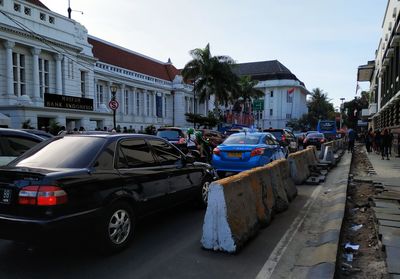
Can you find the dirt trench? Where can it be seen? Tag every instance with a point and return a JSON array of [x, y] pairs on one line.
[[360, 226]]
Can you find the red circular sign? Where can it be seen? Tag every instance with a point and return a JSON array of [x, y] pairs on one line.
[[113, 104]]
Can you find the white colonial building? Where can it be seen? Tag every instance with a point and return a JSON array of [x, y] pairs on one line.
[[284, 94], [52, 70]]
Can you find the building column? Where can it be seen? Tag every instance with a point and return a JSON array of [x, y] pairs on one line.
[[162, 105], [122, 102], [143, 102], [134, 109], [9, 67], [379, 92], [154, 104], [58, 58], [35, 70]]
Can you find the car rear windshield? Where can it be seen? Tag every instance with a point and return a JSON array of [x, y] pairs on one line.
[[242, 139], [315, 135], [169, 134], [66, 152], [277, 134]]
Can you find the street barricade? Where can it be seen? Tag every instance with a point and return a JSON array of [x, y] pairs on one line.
[[238, 206]]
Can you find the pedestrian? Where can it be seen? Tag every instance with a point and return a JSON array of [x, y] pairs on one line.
[[125, 130], [378, 141], [368, 140], [390, 142], [352, 138], [385, 140]]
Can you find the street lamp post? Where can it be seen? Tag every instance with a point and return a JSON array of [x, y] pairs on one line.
[[114, 89], [341, 112]]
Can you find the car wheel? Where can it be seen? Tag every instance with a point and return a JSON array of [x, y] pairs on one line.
[[205, 187], [117, 227]]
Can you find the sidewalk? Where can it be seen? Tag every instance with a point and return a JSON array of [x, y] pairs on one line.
[[388, 171]]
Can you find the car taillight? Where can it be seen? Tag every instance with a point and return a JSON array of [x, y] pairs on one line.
[[322, 140], [182, 141], [257, 151], [42, 196], [305, 141], [217, 151]]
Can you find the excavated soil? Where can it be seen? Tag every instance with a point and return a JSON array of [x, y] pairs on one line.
[[368, 261]]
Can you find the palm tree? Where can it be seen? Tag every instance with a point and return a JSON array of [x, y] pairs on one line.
[[211, 75], [319, 107], [247, 90]]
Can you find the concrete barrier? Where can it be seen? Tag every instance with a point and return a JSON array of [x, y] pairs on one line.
[[290, 187], [238, 206], [231, 215], [299, 170]]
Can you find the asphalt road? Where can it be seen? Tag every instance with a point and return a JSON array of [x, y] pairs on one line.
[[165, 246]]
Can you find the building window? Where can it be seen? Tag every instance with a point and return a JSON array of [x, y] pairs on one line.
[[44, 76], [17, 7], [83, 84], [52, 20], [148, 104], [1, 2], [19, 74], [42, 16], [272, 94], [289, 97], [100, 95], [137, 103], [27, 11], [126, 98], [271, 112], [288, 116]]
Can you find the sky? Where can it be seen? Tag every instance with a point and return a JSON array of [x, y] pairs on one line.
[[322, 42]]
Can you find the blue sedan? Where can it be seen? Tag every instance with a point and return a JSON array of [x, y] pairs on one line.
[[243, 151]]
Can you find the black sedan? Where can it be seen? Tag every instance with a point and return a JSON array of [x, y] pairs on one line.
[[314, 139], [105, 182]]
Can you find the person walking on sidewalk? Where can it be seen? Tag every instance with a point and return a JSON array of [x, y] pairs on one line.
[[390, 142], [368, 140], [385, 142], [378, 142], [352, 138]]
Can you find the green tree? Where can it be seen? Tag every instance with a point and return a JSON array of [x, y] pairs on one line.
[[354, 108], [246, 92], [211, 75], [319, 107]]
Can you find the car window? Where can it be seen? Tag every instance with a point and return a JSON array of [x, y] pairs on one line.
[[106, 158], [271, 141], [15, 145], [65, 152], [242, 139], [166, 153], [169, 134], [134, 153]]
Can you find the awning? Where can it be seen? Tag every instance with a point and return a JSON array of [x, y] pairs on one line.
[[365, 72], [5, 120]]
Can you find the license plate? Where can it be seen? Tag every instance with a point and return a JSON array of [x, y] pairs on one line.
[[235, 154], [5, 195]]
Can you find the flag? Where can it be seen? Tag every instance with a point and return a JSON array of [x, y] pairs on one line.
[[357, 88], [291, 90]]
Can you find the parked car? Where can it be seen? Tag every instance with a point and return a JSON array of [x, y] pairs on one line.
[[314, 139], [174, 135], [243, 151], [14, 142], [104, 182], [286, 139]]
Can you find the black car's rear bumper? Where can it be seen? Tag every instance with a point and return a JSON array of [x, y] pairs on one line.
[[17, 228]]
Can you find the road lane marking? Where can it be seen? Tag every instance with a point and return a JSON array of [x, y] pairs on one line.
[[276, 255]]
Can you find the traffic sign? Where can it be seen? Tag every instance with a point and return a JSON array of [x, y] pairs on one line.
[[113, 104], [258, 105]]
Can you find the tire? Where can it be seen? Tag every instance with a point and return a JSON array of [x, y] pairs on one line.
[[205, 186], [116, 227]]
